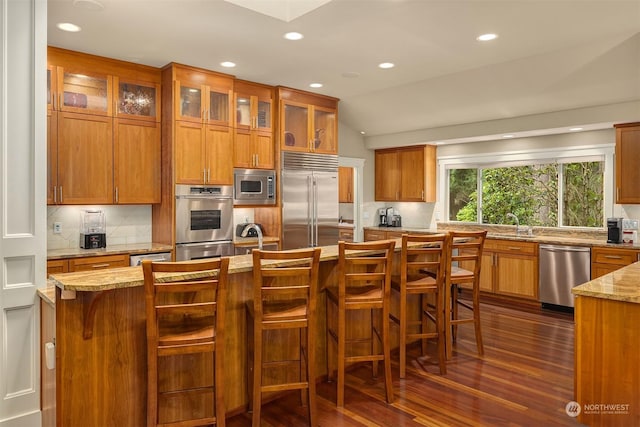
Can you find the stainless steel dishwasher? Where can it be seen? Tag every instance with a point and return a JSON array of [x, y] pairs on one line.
[[560, 269]]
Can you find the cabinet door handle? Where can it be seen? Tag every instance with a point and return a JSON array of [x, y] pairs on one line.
[[59, 102], [613, 256], [204, 176], [61, 194], [53, 100], [257, 160], [116, 194], [55, 194], [100, 265], [515, 248]]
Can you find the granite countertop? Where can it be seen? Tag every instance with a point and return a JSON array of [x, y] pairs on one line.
[[131, 249], [620, 285], [568, 239]]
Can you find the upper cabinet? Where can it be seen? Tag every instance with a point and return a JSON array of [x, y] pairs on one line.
[[103, 130], [202, 97], [308, 122], [197, 111], [627, 161], [406, 174], [345, 185], [253, 126]]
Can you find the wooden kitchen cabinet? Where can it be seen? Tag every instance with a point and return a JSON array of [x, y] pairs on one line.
[[202, 135], [69, 265], [202, 154], [605, 260], [85, 159], [345, 234], [253, 126], [92, 157], [136, 151], [308, 121], [510, 268], [370, 235], [627, 161], [345, 185], [406, 174]]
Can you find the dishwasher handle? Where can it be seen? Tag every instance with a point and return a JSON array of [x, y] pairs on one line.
[[551, 248]]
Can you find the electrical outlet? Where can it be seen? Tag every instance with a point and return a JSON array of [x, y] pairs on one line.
[[57, 227], [629, 224]]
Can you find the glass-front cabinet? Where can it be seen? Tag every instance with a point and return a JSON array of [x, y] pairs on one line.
[[137, 100], [210, 104], [253, 133], [83, 92], [308, 128]]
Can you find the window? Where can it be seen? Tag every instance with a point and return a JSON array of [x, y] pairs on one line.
[[568, 192]]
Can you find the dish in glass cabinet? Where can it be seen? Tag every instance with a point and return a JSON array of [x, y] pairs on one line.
[[289, 139]]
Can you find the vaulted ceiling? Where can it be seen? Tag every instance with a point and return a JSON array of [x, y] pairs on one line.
[[549, 55]]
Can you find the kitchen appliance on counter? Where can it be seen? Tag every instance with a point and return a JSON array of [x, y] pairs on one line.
[[254, 187], [614, 230], [382, 213], [135, 260], [247, 230], [204, 221], [560, 269], [396, 221], [309, 186], [93, 229]]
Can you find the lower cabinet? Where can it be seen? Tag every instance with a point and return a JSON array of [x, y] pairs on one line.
[[87, 263], [381, 235], [605, 260], [345, 234], [510, 268]]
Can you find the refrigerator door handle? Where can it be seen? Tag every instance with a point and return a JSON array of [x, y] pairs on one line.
[[310, 222], [315, 211]]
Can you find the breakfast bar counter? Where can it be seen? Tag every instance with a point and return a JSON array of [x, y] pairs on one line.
[[100, 340], [607, 343]]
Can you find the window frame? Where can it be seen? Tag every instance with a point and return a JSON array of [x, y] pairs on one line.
[[603, 152]]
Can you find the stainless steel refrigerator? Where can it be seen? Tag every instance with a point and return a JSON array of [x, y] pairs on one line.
[[309, 186]]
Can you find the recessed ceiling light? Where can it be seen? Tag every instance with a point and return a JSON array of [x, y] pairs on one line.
[[67, 26], [386, 65], [88, 4], [487, 37], [293, 36], [362, 132], [315, 85], [575, 129], [508, 136], [228, 64]]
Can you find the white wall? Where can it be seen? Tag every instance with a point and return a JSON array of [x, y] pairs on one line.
[[23, 243]]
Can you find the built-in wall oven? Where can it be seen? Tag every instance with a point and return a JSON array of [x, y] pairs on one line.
[[204, 221]]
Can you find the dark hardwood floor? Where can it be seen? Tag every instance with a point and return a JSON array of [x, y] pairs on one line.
[[524, 379]]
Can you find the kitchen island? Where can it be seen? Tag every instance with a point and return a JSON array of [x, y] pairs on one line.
[[607, 349], [101, 341]]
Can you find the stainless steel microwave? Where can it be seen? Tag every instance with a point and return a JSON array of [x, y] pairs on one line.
[[254, 187]]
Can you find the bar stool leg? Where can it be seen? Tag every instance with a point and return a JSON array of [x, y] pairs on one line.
[[476, 320], [386, 348], [311, 378], [374, 349], [403, 334], [257, 377], [341, 355]]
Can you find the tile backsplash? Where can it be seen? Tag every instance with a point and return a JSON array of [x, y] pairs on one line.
[[125, 225]]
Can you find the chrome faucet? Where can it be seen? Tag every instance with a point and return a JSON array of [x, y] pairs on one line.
[[510, 215], [259, 232]]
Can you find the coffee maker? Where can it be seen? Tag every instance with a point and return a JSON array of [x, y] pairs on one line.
[[614, 230], [382, 213]]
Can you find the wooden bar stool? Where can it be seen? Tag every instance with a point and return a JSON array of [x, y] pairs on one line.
[[423, 265], [185, 342], [364, 283], [285, 287], [464, 273]]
